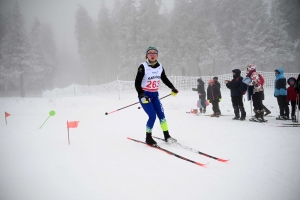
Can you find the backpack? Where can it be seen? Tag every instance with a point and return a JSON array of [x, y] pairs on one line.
[[244, 85], [261, 79]]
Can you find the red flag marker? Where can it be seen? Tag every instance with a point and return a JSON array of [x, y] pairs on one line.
[[73, 124], [7, 114]]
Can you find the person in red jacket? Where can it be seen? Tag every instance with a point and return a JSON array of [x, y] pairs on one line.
[[291, 97]]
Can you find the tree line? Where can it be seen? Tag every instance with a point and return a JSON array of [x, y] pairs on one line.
[[196, 38]]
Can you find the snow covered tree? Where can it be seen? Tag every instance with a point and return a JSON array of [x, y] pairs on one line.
[[43, 51], [250, 37], [124, 17], [107, 45], [86, 39], [281, 45], [197, 43], [50, 49], [289, 11], [15, 52]]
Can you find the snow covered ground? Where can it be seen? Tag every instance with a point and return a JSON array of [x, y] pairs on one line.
[[101, 163]]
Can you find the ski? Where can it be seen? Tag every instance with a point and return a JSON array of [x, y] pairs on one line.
[[251, 120], [169, 152], [282, 125], [195, 151]]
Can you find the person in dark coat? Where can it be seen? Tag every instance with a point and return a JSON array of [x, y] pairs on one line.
[[236, 95], [217, 84], [297, 85], [202, 94], [214, 97]]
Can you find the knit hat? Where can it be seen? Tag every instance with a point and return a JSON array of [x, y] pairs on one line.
[[215, 78], [152, 48], [291, 79], [251, 67]]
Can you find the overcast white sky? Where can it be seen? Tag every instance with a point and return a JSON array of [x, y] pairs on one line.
[[61, 15]]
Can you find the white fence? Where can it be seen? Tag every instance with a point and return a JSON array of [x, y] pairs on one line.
[[180, 82]]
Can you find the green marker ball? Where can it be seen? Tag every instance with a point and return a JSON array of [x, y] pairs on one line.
[[52, 113]]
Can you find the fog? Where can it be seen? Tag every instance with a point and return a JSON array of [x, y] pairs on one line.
[[61, 16], [93, 42]]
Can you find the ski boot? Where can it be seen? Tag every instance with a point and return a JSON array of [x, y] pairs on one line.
[[280, 117], [149, 140], [168, 138], [236, 118], [294, 119]]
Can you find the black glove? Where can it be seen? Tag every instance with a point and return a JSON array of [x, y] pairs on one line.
[[296, 89], [174, 92]]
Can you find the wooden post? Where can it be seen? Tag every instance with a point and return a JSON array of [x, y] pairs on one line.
[[68, 132]]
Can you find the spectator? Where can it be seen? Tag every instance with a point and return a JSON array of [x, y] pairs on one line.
[[280, 93], [236, 95], [214, 97], [202, 94]]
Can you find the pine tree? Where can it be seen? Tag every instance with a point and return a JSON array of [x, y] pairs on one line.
[[125, 17], [43, 51], [86, 39], [250, 37], [15, 52], [290, 13], [49, 46], [281, 45], [107, 45]]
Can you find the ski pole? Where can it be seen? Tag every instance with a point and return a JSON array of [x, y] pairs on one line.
[[297, 104], [251, 105], [130, 105]]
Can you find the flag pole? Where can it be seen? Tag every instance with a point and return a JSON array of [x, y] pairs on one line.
[[5, 118], [68, 132]]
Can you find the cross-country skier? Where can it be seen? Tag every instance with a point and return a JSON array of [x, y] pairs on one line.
[[149, 75]]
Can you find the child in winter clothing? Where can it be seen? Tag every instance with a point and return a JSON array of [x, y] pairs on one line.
[[202, 94], [257, 95], [280, 93], [214, 97], [250, 93], [236, 95], [291, 97], [149, 75]]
